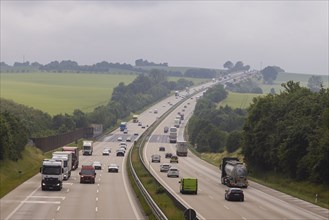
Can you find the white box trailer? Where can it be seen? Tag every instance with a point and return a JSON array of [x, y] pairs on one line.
[[67, 160]]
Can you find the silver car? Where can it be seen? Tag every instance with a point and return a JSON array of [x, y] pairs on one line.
[[173, 172], [164, 167]]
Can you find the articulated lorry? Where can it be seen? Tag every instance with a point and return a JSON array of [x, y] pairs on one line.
[[172, 135], [234, 173], [75, 155], [52, 172], [87, 148], [181, 148], [67, 160]]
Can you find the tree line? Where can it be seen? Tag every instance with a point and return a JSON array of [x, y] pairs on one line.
[[212, 128], [103, 67], [18, 123], [288, 133]]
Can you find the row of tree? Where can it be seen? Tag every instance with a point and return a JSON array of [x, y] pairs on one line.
[[288, 133], [248, 86], [126, 99], [213, 128], [141, 62], [238, 66]]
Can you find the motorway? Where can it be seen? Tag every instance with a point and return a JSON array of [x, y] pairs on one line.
[[111, 197], [260, 202]]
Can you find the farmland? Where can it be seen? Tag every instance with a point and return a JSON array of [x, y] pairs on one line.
[[56, 93]]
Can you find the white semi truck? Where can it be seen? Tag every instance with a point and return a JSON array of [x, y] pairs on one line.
[[87, 148], [172, 135], [67, 160], [52, 172]]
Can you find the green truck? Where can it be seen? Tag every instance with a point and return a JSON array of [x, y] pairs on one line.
[[189, 186]]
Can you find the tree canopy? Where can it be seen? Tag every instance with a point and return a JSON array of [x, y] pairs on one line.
[[289, 133]]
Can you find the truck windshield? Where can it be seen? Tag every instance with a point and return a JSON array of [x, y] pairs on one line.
[[51, 170], [86, 147], [87, 172]]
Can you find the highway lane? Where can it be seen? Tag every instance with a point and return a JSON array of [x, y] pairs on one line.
[[111, 197], [260, 202]]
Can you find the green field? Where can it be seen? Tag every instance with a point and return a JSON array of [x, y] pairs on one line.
[[296, 77], [61, 92], [238, 100], [64, 92]]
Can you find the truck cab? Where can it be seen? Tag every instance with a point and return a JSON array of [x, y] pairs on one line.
[[87, 147], [52, 172], [67, 160]]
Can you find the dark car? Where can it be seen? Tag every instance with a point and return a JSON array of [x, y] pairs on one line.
[[162, 148], [120, 153], [165, 129], [168, 155], [234, 194]]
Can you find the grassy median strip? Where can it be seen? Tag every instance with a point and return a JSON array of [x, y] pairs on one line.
[[159, 194]]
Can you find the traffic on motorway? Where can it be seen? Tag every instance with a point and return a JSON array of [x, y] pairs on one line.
[[105, 192]]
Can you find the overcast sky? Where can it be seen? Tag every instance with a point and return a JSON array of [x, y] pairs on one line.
[[289, 34]]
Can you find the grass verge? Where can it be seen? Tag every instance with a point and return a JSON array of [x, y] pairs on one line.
[[13, 173]]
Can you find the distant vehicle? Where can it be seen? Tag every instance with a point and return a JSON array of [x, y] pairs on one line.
[[233, 172], [120, 153], [188, 185], [119, 138], [155, 111], [164, 167], [177, 123], [181, 148], [125, 131], [87, 174], [128, 139], [168, 155], [135, 118], [123, 126], [143, 126], [235, 194], [75, 155], [123, 149], [106, 152], [176, 93], [123, 143], [162, 148], [140, 123], [174, 159], [165, 129], [173, 135], [173, 172], [97, 165], [156, 158], [52, 172], [113, 168], [87, 148], [136, 133]]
